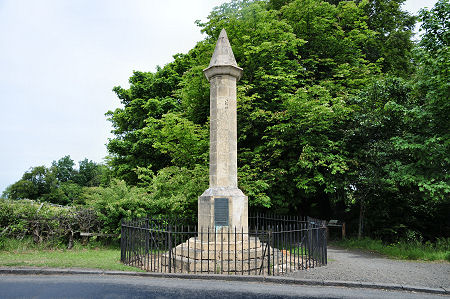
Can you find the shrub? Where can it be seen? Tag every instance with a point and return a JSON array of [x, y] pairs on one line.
[[44, 222], [172, 192], [116, 202]]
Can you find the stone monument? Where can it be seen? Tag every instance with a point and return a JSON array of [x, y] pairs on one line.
[[223, 205], [223, 243]]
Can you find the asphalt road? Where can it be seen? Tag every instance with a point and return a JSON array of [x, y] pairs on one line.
[[99, 286]]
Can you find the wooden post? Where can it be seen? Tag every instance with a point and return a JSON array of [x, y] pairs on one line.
[[343, 230]]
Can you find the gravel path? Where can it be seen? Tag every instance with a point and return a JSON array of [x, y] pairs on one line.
[[354, 265]]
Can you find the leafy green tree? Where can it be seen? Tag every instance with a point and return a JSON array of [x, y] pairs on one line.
[[376, 122], [61, 183], [414, 161], [298, 70], [435, 27], [409, 162], [64, 169], [20, 189], [289, 50], [149, 97], [392, 45], [89, 174], [35, 183], [183, 141]]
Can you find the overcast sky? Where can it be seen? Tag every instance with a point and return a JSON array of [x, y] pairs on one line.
[[60, 59]]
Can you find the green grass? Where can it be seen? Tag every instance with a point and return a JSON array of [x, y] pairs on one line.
[[439, 251], [93, 256]]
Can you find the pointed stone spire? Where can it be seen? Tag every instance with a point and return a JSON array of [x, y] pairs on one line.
[[223, 61], [223, 54]]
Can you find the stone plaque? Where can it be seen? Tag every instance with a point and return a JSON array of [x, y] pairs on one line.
[[221, 211]]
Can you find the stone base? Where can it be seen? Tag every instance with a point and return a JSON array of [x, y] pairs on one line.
[[249, 256], [237, 210]]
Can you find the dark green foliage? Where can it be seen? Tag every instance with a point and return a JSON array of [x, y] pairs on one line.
[[35, 183], [89, 174], [392, 44], [61, 183], [411, 151], [282, 70], [400, 179], [435, 27], [63, 169]]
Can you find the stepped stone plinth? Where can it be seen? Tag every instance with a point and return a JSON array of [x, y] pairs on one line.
[[249, 256]]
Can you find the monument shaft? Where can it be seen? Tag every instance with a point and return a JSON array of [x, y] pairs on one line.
[[223, 132], [223, 204]]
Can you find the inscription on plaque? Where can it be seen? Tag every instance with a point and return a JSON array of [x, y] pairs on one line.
[[221, 211]]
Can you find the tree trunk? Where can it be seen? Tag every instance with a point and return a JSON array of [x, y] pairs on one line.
[[361, 220], [70, 245]]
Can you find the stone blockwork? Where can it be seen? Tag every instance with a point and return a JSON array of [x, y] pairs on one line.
[[247, 255], [223, 132]]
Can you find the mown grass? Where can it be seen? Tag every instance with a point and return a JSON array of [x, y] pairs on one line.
[[438, 251], [94, 255]]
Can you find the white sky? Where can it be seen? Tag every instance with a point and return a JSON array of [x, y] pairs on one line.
[[60, 59]]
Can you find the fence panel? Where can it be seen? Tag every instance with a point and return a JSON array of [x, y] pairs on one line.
[[266, 249]]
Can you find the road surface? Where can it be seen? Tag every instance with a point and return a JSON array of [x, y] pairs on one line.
[[103, 286]]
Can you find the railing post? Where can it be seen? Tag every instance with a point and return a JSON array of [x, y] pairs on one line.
[[326, 251], [170, 247], [270, 245], [317, 242], [147, 237], [343, 230], [121, 242]]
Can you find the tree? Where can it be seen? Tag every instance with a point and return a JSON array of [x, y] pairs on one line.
[[61, 183], [300, 64], [402, 178], [89, 174], [392, 44], [375, 123], [435, 27], [149, 97], [64, 168], [35, 183]]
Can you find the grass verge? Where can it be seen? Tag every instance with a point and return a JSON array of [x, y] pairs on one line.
[[439, 251], [94, 256]]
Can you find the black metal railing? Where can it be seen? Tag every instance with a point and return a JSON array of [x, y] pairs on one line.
[[259, 220], [164, 246]]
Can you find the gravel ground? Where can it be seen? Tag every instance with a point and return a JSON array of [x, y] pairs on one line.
[[354, 265]]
